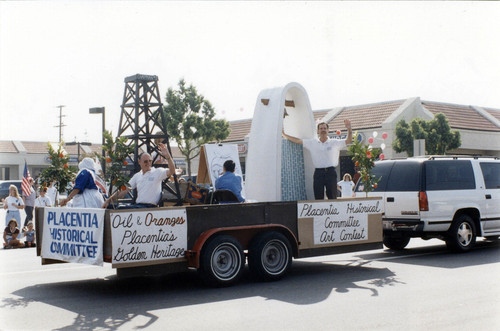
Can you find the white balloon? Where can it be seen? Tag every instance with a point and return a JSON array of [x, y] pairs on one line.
[[382, 147], [375, 134], [370, 147]]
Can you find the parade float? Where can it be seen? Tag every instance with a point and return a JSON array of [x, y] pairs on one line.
[[280, 221]]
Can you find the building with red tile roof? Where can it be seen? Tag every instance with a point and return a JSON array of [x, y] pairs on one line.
[[479, 129]]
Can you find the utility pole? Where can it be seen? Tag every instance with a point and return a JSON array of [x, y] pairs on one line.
[[60, 122]]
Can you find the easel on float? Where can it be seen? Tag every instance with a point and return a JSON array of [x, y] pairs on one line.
[[211, 166]]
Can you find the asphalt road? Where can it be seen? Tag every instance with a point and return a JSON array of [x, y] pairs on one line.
[[424, 287]]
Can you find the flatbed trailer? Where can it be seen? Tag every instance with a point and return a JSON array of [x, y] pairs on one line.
[[215, 239]]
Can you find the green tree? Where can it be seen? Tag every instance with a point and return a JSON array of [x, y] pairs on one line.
[[437, 134], [117, 153], [59, 170], [190, 121]]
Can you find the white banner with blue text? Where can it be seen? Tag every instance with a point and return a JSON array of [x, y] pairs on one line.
[[73, 235], [140, 236]]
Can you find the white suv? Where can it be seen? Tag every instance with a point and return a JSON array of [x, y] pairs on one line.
[[451, 198]]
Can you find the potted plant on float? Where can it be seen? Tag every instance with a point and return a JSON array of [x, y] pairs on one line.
[[59, 170], [117, 158], [364, 157]]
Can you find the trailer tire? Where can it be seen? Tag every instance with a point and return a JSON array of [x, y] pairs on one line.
[[461, 236], [270, 256], [222, 261]]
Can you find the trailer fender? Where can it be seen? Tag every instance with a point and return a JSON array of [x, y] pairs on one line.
[[244, 234]]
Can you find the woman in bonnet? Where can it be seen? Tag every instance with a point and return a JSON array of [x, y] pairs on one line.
[[85, 193]]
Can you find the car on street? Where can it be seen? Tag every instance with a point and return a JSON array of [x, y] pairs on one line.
[[4, 187], [453, 198]]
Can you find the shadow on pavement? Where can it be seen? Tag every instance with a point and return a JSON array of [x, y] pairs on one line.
[[484, 252], [109, 303]]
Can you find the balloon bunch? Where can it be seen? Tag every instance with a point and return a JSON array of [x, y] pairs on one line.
[[373, 138]]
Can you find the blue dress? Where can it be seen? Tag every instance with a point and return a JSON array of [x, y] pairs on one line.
[[89, 196]]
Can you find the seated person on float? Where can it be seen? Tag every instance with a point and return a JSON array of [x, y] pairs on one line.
[[229, 181], [148, 181]]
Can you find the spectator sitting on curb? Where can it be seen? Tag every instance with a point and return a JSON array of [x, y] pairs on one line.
[[10, 234], [29, 233]]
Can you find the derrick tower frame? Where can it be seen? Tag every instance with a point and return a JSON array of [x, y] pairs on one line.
[[142, 120]]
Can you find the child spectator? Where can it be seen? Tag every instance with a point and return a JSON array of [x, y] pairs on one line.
[[43, 200], [345, 186], [10, 234], [29, 233]]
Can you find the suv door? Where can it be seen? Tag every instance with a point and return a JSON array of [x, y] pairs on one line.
[[491, 211], [401, 196], [450, 186]]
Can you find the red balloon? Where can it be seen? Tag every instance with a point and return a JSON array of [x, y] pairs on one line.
[[384, 135], [381, 156], [370, 140]]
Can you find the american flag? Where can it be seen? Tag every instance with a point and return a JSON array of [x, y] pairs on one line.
[[26, 186]]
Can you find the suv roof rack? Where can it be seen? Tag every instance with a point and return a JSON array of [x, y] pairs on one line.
[[433, 157]]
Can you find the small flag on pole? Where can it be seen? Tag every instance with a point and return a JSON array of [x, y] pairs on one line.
[[26, 186]]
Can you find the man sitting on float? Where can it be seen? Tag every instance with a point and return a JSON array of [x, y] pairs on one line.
[[229, 181], [148, 181]]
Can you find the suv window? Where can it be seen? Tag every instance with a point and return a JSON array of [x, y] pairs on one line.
[[449, 175], [381, 170], [491, 174], [405, 176]]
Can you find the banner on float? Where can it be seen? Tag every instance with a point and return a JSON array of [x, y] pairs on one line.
[[333, 223], [149, 235], [73, 235]]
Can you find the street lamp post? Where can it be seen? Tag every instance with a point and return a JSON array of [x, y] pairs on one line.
[[101, 110]]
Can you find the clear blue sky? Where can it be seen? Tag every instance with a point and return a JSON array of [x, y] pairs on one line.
[[344, 53]]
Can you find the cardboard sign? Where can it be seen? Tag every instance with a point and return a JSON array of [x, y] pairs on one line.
[[73, 235], [335, 223], [140, 236]]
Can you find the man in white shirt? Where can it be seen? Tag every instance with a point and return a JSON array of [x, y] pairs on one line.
[[147, 181], [325, 154]]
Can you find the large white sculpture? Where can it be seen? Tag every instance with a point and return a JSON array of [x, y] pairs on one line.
[[277, 169]]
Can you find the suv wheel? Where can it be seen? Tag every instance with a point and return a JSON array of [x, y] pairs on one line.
[[461, 236], [396, 243]]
